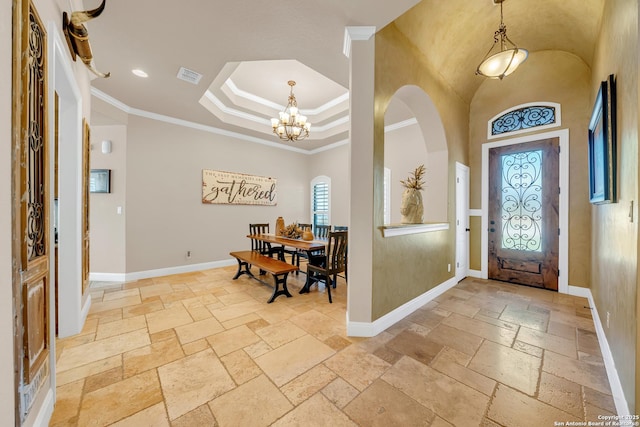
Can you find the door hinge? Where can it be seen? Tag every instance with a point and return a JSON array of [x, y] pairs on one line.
[[558, 273], [458, 180], [558, 231]]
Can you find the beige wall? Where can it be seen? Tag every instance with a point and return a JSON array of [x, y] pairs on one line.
[[107, 226], [614, 257], [333, 163], [164, 213], [550, 76], [404, 150], [6, 294], [408, 266], [156, 171]]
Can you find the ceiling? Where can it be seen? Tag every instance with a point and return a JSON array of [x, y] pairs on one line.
[[247, 51]]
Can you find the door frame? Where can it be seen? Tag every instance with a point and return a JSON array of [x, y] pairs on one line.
[[73, 306], [563, 208], [462, 220]]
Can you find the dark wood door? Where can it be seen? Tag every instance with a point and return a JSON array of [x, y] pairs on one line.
[[523, 213]]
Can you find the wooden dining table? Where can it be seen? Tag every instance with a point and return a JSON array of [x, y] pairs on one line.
[[308, 246]]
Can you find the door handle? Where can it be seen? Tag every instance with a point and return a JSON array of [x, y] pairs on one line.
[[467, 229], [492, 230]]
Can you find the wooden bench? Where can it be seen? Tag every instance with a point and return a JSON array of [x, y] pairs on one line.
[[279, 269]]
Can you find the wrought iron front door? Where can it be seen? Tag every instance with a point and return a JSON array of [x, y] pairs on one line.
[[523, 213]]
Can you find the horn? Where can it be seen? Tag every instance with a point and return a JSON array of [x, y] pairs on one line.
[[77, 18]]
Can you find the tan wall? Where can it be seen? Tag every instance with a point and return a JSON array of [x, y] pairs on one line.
[[475, 227], [107, 227], [614, 240], [405, 267], [550, 76]]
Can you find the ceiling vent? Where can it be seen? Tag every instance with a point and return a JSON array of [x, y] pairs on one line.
[[189, 75]]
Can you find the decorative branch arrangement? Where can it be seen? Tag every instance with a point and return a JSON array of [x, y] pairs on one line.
[[416, 181], [292, 231]]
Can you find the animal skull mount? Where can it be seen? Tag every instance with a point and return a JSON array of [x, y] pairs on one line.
[[78, 37]]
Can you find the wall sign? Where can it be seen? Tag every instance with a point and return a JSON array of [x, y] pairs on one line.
[[230, 188]]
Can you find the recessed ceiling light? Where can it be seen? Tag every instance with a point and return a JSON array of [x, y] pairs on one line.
[[138, 72]]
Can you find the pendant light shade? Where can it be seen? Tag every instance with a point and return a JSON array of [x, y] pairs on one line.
[[504, 56]]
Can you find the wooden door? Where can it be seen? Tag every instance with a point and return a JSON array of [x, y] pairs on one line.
[[462, 221], [523, 213], [86, 170], [30, 172]]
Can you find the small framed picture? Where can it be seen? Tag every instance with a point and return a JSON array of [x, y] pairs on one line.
[[100, 181]]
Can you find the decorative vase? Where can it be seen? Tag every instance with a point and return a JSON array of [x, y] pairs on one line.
[[307, 235], [279, 226], [411, 207]]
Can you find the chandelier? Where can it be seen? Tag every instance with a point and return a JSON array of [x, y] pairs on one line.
[[507, 59], [291, 125]]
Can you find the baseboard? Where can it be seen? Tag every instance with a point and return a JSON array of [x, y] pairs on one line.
[[127, 277], [475, 273], [371, 329], [107, 277], [85, 310], [622, 408], [46, 410]]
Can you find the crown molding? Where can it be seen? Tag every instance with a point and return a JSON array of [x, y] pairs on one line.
[[352, 34]]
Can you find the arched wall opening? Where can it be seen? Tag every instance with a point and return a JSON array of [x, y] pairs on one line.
[[414, 135]]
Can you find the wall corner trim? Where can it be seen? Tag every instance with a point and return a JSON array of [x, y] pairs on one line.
[[46, 411], [371, 329], [404, 229], [356, 33]]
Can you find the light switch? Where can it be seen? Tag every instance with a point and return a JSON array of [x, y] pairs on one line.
[[119, 210]]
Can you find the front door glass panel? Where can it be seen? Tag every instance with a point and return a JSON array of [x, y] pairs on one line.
[[521, 204]]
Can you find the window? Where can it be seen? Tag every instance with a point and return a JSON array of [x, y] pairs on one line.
[[524, 118], [320, 201]]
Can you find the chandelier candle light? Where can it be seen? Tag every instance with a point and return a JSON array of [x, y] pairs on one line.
[[291, 126], [507, 59]]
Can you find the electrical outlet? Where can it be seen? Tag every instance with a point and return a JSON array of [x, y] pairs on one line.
[[188, 254], [448, 268], [608, 318]]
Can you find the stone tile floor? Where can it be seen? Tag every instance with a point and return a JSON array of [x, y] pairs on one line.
[[200, 349]]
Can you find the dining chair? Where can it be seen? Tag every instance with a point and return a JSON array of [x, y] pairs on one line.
[[297, 254], [263, 247], [322, 231], [330, 265], [346, 263]]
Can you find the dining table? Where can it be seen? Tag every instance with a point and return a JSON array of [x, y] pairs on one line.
[[309, 246]]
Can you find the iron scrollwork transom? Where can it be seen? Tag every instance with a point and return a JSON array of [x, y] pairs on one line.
[[523, 118]]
